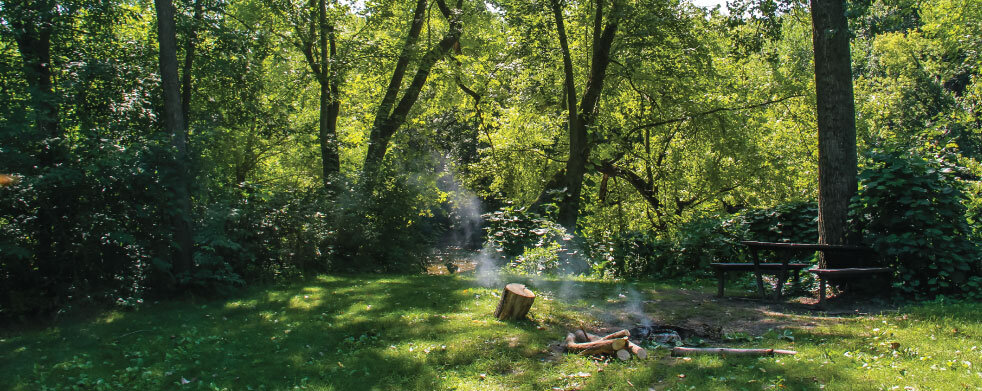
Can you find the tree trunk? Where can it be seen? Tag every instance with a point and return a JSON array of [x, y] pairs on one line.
[[189, 47], [327, 135], [582, 118], [391, 116], [327, 132], [836, 125], [516, 300], [321, 62], [177, 176], [32, 24]]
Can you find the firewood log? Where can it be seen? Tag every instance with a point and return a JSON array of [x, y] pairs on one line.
[[570, 339], [623, 355], [682, 352], [637, 350], [605, 346], [583, 336], [516, 300], [619, 334]]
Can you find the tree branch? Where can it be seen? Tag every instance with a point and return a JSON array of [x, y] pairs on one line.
[[713, 111]]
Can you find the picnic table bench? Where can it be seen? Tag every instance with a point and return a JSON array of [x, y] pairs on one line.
[[782, 268]]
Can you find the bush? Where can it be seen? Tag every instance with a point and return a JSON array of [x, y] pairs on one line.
[[690, 248], [911, 210], [532, 244], [633, 254]]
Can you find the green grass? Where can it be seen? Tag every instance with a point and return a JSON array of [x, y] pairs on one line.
[[436, 333]]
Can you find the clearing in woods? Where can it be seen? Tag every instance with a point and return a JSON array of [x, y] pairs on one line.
[[436, 332]]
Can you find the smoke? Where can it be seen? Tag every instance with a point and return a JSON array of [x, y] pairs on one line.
[[466, 215], [487, 270], [634, 307]]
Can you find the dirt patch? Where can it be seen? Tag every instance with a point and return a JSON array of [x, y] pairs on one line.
[[698, 313]]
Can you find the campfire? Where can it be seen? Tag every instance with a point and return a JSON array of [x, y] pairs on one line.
[[516, 300], [617, 343]]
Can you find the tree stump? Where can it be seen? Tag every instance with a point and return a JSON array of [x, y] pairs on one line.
[[516, 300]]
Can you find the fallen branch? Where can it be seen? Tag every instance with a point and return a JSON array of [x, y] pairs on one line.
[[683, 352]]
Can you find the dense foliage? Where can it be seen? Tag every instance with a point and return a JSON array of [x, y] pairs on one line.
[[899, 192], [337, 136]]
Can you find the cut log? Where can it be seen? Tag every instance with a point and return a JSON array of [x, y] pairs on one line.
[[516, 300], [619, 334], [605, 346], [683, 352], [583, 336], [570, 339], [623, 355], [637, 350]]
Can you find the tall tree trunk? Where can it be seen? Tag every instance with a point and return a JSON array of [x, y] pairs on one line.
[[32, 23], [177, 176], [390, 115], [331, 159], [582, 118], [321, 62], [334, 107], [836, 124], [378, 139], [188, 62]]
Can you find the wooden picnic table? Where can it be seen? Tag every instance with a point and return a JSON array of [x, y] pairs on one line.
[[782, 268], [785, 266]]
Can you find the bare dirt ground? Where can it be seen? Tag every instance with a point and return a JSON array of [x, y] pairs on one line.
[[695, 311], [703, 314]]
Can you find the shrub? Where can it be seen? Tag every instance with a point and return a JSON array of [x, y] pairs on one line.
[[911, 210], [532, 244], [690, 248]]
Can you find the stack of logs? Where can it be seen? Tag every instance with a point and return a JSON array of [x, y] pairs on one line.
[[617, 344]]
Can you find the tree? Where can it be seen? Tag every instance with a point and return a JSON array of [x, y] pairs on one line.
[[391, 115], [836, 123], [568, 184], [319, 46], [177, 176], [189, 46], [33, 24]]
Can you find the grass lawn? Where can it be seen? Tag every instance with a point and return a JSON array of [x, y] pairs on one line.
[[436, 332]]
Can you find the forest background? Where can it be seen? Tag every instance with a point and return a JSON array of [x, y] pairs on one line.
[[370, 136]]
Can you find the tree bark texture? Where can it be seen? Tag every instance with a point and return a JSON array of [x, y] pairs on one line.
[[177, 177], [327, 124], [836, 124], [391, 115]]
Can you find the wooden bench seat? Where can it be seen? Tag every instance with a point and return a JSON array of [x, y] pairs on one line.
[[770, 268], [824, 274], [749, 266]]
